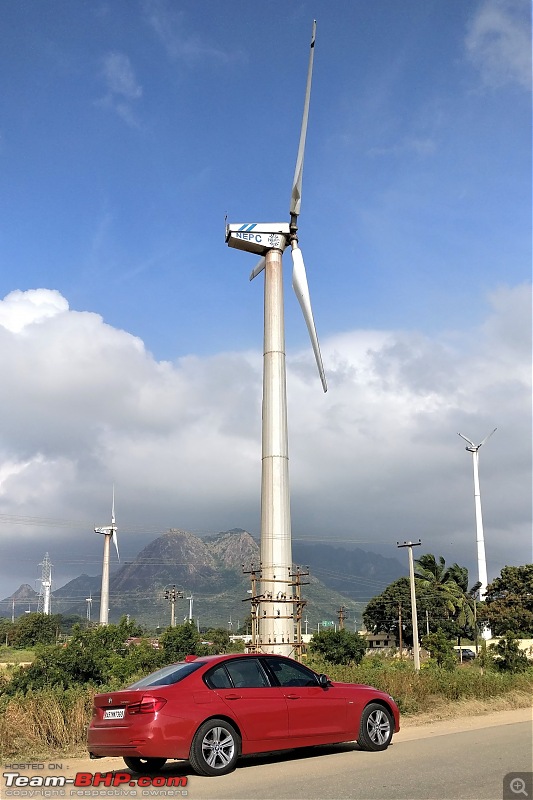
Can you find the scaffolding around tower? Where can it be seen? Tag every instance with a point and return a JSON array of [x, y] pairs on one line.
[[261, 603]]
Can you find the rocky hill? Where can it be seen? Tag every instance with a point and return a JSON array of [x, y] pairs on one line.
[[210, 570]]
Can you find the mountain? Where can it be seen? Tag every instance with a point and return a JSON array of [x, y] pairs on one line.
[[26, 599], [24, 592], [353, 572], [210, 570]]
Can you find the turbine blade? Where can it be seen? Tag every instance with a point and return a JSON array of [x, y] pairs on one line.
[[296, 194], [113, 507], [259, 267], [114, 537], [487, 437], [301, 289], [466, 440]]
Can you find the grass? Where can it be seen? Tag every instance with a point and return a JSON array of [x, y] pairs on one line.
[[432, 687], [10, 655], [44, 724], [53, 723]]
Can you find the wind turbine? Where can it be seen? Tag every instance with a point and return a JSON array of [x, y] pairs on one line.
[[269, 240], [481, 557], [110, 533], [89, 601], [190, 599]]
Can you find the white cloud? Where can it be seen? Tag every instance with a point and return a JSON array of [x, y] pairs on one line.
[[499, 42], [20, 309], [376, 459], [420, 146], [122, 87], [169, 26], [120, 77]]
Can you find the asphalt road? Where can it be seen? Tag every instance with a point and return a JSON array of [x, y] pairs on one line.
[[464, 759]]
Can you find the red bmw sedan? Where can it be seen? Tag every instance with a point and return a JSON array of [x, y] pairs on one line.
[[212, 709]]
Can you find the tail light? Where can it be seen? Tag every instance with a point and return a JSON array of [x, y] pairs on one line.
[[147, 705]]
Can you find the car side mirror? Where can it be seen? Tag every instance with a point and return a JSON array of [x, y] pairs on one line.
[[323, 680]]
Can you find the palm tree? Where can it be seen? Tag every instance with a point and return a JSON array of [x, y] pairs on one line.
[[441, 580], [450, 584], [467, 616]]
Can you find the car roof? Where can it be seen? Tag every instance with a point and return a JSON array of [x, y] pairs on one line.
[[226, 656]]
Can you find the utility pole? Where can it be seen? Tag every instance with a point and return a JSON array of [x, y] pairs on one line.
[[416, 647], [400, 628], [299, 606], [255, 604], [172, 595], [341, 613], [475, 624]]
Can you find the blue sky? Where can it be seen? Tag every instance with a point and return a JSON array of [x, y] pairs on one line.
[[129, 129]]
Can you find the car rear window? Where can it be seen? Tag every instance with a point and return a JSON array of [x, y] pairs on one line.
[[168, 675]]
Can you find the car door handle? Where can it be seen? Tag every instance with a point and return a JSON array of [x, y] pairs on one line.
[[232, 697], [292, 696]]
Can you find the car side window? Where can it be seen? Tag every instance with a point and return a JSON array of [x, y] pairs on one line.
[[247, 673], [291, 674], [218, 678]]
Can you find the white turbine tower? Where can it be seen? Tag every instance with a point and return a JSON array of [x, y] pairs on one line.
[[269, 241], [89, 601], [481, 557], [43, 605], [110, 533], [190, 599]]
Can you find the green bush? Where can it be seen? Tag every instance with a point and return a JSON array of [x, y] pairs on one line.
[[440, 649], [507, 655], [97, 656], [338, 647]]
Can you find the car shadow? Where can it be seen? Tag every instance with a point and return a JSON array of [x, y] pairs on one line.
[[183, 768]]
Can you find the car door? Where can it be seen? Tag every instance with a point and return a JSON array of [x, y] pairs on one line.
[[259, 707], [314, 712]]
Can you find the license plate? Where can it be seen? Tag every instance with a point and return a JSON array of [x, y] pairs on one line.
[[114, 713]]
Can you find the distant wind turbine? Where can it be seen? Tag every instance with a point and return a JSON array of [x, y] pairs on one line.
[[110, 533], [481, 557]]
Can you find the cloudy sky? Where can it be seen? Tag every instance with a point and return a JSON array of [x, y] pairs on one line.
[[130, 336]]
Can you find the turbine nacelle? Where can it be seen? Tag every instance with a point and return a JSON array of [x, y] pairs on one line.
[[475, 447], [110, 530], [258, 237]]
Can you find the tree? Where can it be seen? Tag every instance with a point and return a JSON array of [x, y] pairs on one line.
[[32, 629], [440, 648], [440, 580], [97, 656], [6, 628], [509, 602], [181, 641], [219, 638], [507, 655], [338, 647], [382, 612]]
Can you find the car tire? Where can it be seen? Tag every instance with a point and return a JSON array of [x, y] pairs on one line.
[[145, 765], [376, 728], [215, 748]]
